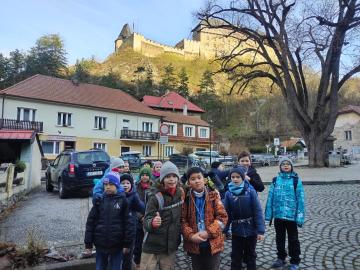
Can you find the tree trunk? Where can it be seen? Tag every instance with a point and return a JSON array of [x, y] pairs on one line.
[[316, 146]]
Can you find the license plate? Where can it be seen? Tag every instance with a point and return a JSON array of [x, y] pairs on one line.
[[94, 173]]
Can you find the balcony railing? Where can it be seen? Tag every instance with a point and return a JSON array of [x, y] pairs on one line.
[[139, 135], [19, 124]]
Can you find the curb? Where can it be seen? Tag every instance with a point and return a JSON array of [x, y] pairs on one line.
[[320, 183], [83, 264]]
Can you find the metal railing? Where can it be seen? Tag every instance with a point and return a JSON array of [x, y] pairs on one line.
[[20, 124], [140, 135]]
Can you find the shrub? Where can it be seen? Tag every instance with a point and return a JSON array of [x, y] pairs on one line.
[[20, 166]]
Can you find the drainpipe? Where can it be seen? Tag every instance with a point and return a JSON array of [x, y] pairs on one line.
[[2, 107]]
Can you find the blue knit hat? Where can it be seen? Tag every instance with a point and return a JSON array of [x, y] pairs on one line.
[[240, 170], [112, 178]]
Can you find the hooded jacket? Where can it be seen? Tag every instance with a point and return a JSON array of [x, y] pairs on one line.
[[246, 205], [166, 238], [284, 201], [215, 221], [109, 225]]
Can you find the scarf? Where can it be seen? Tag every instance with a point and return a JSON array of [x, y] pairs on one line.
[[171, 191], [144, 185], [236, 189], [156, 174]]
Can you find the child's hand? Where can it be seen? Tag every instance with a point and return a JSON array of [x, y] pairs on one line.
[[247, 177], [88, 252], [260, 237], [204, 235], [196, 238], [156, 222], [126, 250]]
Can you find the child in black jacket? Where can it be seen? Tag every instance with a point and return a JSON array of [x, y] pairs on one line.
[[109, 226], [251, 175]]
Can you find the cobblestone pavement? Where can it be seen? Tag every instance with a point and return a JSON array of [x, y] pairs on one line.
[[330, 238]]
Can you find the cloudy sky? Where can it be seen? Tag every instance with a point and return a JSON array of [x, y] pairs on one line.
[[89, 27]]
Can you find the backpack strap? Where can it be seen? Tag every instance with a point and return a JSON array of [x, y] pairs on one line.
[[295, 182], [160, 199], [274, 181]]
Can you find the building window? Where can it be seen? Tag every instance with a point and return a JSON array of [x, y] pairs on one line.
[[203, 132], [25, 114], [126, 123], [348, 135], [100, 122], [147, 126], [189, 131], [169, 150], [101, 146], [172, 129], [147, 150], [64, 119], [50, 147]]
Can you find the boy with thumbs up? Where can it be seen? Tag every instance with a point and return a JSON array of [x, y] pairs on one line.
[[162, 221]]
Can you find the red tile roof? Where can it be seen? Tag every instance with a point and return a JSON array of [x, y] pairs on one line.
[[17, 134], [183, 119], [171, 100], [53, 89], [350, 108]]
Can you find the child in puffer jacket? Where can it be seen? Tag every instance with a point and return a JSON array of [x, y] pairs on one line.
[[135, 206], [245, 217], [109, 226], [286, 205]]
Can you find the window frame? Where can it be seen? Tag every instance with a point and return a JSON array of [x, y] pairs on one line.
[[348, 135], [100, 122], [192, 129], [147, 150], [68, 116], [95, 144], [167, 153], [173, 127], [54, 143], [147, 125], [21, 111], [207, 132]]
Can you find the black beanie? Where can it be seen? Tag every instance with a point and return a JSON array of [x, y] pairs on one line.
[[128, 177]]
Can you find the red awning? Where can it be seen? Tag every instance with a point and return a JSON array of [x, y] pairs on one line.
[[17, 134]]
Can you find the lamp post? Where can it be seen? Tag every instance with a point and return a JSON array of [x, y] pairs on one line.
[[210, 121]]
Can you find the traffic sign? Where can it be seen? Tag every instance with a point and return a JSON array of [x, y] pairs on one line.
[[164, 139], [277, 141], [164, 129]]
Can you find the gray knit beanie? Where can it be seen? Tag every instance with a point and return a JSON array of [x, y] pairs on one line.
[[283, 159], [116, 162], [167, 168]]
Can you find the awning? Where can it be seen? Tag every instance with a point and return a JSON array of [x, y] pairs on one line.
[[17, 134]]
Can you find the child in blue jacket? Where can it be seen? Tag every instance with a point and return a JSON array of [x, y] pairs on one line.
[[286, 205], [246, 218]]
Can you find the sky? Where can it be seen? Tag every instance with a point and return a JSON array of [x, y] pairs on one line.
[[90, 27]]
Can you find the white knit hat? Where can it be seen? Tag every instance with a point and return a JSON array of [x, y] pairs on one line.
[[116, 162]]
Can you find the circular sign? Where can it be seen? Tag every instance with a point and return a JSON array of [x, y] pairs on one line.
[[164, 129]]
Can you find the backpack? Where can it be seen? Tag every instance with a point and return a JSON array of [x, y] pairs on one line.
[[160, 199]]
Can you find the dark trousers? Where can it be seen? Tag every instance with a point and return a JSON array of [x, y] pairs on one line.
[[114, 259], [204, 260], [281, 228], [243, 249], [138, 243], [128, 258]]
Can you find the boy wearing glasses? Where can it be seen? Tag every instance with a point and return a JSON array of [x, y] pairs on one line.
[[286, 205]]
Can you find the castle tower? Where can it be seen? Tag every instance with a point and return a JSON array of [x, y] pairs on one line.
[[124, 35]]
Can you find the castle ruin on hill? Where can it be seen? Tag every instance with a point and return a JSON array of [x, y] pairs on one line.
[[205, 43]]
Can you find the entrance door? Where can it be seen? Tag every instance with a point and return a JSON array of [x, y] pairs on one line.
[[69, 145], [124, 149]]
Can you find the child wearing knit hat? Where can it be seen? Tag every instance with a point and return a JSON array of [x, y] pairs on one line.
[[156, 171], [109, 225], [162, 220], [286, 205], [245, 217]]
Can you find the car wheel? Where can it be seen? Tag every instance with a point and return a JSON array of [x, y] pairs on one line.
[[62, 191], [49, 186]]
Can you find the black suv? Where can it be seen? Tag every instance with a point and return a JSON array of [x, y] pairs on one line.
[[184, 161], [73, 170]]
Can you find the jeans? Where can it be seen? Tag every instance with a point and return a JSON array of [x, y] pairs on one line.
[[204, 260], [128, 259], [290, 227], [102, 260], [243, 249]]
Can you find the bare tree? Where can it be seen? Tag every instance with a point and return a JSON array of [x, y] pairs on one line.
[[284, 40]]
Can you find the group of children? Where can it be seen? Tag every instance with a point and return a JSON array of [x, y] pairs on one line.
[[142, 223]]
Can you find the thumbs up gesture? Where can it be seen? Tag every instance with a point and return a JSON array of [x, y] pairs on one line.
[[156, 222]]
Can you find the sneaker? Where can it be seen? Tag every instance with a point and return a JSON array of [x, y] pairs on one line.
[[293, 267], [279, 263]]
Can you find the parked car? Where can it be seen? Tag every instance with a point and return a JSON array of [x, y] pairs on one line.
[[263, 159], [134, 157], [204, 156], [183, 161], [76, 170]]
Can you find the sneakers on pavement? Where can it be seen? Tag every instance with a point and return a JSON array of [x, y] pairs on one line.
[[293, 267], [279, 263]]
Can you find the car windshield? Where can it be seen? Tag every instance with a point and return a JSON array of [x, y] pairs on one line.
[[90, 157]]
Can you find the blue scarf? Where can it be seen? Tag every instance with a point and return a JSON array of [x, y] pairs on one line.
[[236, 189]]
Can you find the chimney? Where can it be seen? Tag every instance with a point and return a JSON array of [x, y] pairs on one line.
[[185, 109]]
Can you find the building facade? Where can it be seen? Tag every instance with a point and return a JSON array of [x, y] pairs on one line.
[[347, 130], [69, 115]]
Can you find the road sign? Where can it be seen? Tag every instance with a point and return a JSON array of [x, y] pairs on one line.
[[164, 139], [164, 129], [277, 141]]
